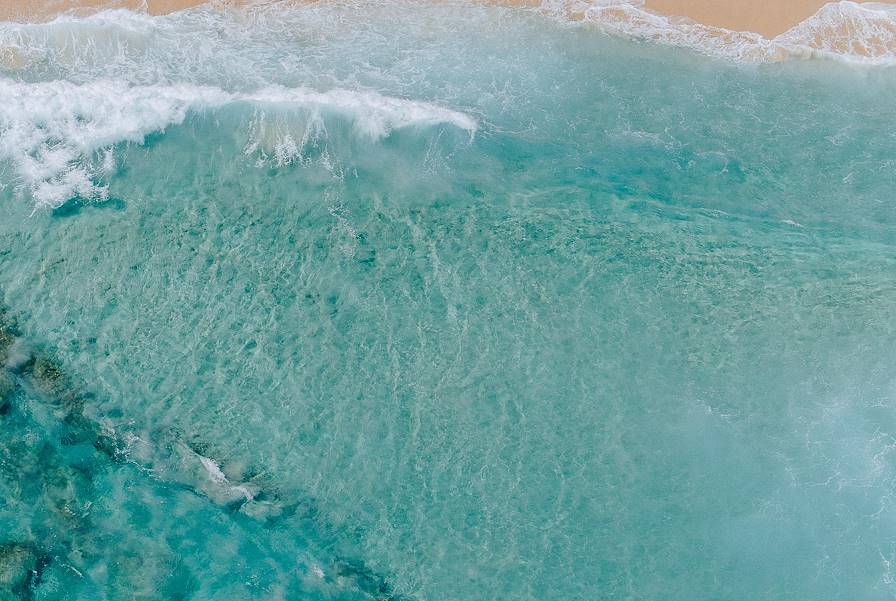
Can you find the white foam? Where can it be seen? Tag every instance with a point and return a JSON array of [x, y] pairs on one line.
[[861, 33], [213, 469], [199, 40], [217, 477], [59, 135], [376, 115], [864, 33]]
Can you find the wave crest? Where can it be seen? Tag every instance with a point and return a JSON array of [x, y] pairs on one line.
[[59, 136]]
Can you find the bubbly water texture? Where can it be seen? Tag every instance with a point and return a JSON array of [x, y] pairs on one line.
[[440, 301]]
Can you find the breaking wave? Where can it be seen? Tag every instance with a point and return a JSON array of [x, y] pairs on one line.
[[59, 137]]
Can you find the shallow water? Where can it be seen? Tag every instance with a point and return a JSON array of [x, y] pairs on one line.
[[305, 304]]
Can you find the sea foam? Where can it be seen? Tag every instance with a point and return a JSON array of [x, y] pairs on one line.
[[117, 76], [860, 33], [857, 32], [60, 136]]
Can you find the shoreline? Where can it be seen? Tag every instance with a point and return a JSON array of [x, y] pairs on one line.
[[45, 10], [768, 18]]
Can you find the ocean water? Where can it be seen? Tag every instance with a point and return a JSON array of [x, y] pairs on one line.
[[443, 301]]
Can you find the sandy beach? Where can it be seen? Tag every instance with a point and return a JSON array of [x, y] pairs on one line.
[[767, 17], [40, 10]]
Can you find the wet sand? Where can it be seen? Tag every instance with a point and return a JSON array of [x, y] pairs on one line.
[[41, 10], [767, 17]]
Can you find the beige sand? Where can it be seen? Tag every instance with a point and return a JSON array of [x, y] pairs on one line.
[[39, 10], [767, 17]]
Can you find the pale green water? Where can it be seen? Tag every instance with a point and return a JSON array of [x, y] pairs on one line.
[[629, 336]]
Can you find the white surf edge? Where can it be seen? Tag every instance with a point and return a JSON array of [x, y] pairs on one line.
[[50, 131], [860, 33]]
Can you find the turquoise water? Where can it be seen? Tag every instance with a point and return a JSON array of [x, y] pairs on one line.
[[440, 302]]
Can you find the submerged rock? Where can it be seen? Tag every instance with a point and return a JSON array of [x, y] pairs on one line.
[[109, 445], [356, 572], [7, 337], [85, 445], [18, 565], [52, 382], [48, 377], [66, 489], [7, 388]]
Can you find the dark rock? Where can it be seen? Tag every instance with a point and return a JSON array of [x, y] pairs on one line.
[[7, 388], [48, 377], [6, 341], [52, 382], [7, 336], [65, 492], [366, 580], [110, 446], [18, 564], [79, 430]]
